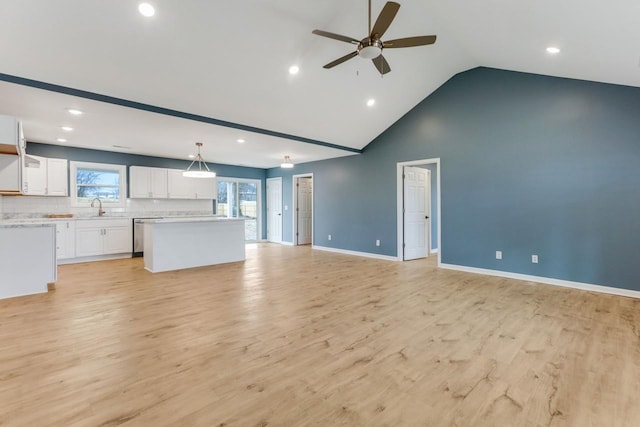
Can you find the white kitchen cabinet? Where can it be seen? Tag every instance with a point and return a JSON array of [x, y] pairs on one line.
[[206, 188], [118, 239], [48, 178], [11, 135], [28, 261], [57, 177], [10, 174], [103, 237], [89, 241], [181, 187], [147, 183], [65, 239]]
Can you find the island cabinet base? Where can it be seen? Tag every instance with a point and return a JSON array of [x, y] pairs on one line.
[[27, 259], [178, 244]]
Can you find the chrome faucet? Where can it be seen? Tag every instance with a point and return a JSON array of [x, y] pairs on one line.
[[100, 211]]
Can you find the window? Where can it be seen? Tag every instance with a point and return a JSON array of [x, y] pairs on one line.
[[98, 180], [240, 198]]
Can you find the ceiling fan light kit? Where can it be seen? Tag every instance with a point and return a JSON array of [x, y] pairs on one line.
[[371, 47], [199, 172]]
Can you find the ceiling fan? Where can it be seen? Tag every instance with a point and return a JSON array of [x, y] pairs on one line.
[[371, 46]]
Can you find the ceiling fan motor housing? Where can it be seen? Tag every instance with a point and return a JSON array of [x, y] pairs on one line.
[[370, 48]]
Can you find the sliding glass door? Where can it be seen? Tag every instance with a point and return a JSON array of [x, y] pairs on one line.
[[240, 198]]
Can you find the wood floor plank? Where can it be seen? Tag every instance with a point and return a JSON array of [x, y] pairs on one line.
[[294, 336]]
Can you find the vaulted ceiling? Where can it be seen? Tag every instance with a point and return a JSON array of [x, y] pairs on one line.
[[227, 63]]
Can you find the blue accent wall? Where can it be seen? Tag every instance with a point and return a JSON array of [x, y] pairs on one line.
[[530, 164], [98, 156]]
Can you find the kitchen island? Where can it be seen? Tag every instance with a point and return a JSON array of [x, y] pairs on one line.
[[27, 258], [178, 243]]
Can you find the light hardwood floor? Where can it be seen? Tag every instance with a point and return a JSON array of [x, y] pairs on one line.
[[296, 337]]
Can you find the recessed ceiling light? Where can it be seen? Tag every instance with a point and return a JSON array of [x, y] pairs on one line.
[[240, 141], [61, 140], [553, 50], [146, 9], [294, 69], [371, 102], [67, 128], [75, 112]]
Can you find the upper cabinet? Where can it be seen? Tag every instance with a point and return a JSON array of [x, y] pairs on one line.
[[206, 188], [181, 187], [44, 177], [147, 183], [11, 145], [157, 183], [11, 137]]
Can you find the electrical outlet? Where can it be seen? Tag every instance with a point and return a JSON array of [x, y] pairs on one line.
[[329, 237], [377, 242], [534, 259], [286, 207], [498, 254]]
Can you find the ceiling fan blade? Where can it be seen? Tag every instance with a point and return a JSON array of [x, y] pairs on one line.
[[381, 64], [341, 60], [410, 42], [384, 19], [335, 36]]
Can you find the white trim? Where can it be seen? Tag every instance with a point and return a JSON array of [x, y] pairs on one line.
[[356, 253], [73, 191], [294, 213], [259, 190], [434, 251], [400, 203], [93, 258], [277, 178], [546, 280], [285, 243]]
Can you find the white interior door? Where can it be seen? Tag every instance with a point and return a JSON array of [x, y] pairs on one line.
[[305, 210], [274, 210], [416, 213]]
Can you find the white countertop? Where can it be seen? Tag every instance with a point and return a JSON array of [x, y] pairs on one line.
[[188, 219], [26, 225], [44, 220]]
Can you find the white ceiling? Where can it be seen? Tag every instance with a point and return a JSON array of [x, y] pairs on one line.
[[229, 61]]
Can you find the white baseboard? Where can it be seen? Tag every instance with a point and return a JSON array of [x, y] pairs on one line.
[[286, 243], [546, 280], [93, 258], [356, 253], [434, 251]]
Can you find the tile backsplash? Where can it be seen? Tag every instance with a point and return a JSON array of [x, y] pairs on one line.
[[36, 207]]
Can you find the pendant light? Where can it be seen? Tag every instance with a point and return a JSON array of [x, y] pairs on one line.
[[199, 172], [287, 164]]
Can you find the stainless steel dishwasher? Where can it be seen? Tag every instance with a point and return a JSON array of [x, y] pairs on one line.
[[138, 236]]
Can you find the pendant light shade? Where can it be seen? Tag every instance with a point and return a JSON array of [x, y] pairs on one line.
[[199, 172], [287, 163]]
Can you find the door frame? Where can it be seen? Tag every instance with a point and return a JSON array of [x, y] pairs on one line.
[[259, 184], [279, 178], [294, 216], [400, 204]]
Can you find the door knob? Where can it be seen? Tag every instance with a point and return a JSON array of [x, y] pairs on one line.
[[426, 217]]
